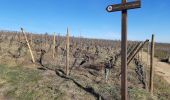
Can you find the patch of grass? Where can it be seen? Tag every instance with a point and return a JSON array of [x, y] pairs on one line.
[[114, 91], [161, 54], [21, 83], [27, 84], [17, 75], [161, 88], [18, 80], [139, 94], [109, 91]]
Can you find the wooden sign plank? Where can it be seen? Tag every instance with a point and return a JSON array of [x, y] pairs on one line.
[[124, 6]]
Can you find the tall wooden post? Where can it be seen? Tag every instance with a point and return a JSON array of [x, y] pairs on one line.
[[19, 36], [146, 75], [41, 40], [124, 92], [142, 54], [46, 40], [32, 56], [124, 6], [54, 43], [80, 40], [67, 54], [148, 52], [151, 66], [31, 38]]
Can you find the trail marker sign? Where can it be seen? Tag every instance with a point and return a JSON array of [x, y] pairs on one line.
[[124, 6]]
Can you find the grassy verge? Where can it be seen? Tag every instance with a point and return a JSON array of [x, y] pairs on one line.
[[18, 83], [161, 88]]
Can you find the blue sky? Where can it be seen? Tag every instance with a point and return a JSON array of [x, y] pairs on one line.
[[86, 17]]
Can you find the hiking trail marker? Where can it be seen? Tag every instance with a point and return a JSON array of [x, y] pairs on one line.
[[124, 6]]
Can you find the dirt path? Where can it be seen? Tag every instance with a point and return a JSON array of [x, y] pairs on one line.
[[161, 68]]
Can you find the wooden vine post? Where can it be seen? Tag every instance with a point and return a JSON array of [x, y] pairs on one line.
[[54, 43], [19, 37], [67, 52], [138, 56], [151, 66], [148, 52], [41, 40], [46, 35], [123, 7], [80, 40], [136, 51], [141, 54], [32, 56], [31, 38], [146, 75]]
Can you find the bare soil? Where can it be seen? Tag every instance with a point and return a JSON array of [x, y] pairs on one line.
[[161, 68]]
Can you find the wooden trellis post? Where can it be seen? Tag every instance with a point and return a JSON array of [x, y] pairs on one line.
[[146, 75], [67, 52], [123, 7], [31, 38], [54, 43], [32, 56], [80, 40], [151, 66], [148, 52], [140, 46], [46, 35], [41, 40], [19, 36], [138, 56], [141, 54]]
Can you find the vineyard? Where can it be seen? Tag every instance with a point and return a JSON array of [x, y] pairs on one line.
[[80, 73]]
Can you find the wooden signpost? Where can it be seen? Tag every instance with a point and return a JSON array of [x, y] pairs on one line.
[[124, 7]]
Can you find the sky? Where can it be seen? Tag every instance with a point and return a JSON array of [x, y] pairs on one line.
[[86, 18]]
